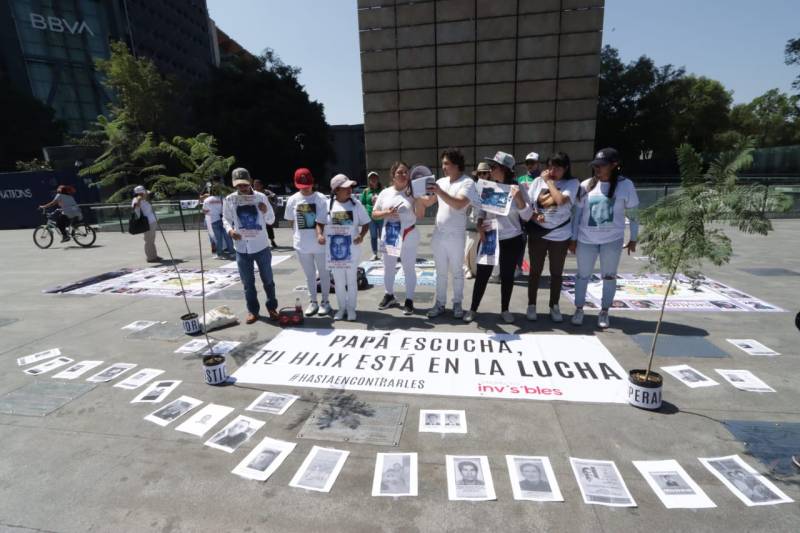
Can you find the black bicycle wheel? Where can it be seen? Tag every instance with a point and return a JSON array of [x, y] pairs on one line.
[[84, 235], [43, 237]]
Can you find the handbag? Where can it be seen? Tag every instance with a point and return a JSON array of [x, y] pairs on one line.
[[535, 231], [138, 224]]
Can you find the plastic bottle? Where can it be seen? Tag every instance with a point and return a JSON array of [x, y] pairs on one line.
[[297, 306]]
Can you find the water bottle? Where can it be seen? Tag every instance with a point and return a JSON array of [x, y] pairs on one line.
[[297, 307]]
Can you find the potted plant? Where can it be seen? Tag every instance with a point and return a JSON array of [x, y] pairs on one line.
[[682, 230]]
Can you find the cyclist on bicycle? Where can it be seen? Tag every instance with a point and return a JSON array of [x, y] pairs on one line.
[[69, 213]]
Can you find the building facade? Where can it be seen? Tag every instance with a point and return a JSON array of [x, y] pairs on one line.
[[48, 47], [481, 75]]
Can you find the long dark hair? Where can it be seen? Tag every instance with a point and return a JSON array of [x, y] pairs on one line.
[[397, 164], [561, 159], [616, 172]]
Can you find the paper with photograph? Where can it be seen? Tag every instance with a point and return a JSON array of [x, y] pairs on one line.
[[38, 356], [236, 433], [221, 348], [264, 459], [752, 347], [320, 469], [419, 186], [194, 346], [744, 481], [489, 247], [339, 247], [442, 421], [156, 392], [469, 478], [272, 402], [689, 376], [139, 325], [203, 420], [395, 474], [139, 378], [47, 366], [672, 485], [744, 380], [250, 225], [175, 409], [392, 237], [77, 370], [112, 372], [601, 483], [532, 478], [494, 197]]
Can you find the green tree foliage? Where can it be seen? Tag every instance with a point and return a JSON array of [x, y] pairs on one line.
[[198, 158], [772, 119], [256, 109], [27, 126], [792, 57]]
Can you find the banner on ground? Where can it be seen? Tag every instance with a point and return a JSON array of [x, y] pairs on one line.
[[426, 273], [645, 292], [533, 367]]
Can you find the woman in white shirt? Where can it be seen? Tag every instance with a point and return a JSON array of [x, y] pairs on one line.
[[603, 203], [344, 210], [509, 235], [141, 206], [399, 210], [550, 231]]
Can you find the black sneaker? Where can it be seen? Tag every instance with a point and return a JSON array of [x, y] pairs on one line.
[[65, 238], [388, 301], [408, 307]]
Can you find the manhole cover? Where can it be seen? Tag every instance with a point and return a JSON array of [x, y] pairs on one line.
[[678, 346], [347, 419], [41, 397]]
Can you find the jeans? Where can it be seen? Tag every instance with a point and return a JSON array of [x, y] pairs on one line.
[[224, 242], [263, 260], [375, 232], [538, 249], [609, 253], [510, 252]]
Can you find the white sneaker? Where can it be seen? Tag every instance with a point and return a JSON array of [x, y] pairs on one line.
[[469, 316], [375, 257], [469, 275], [351, 315], [577, 317], [531, 314], [458, 311], [555, 314], [325, 309], [436, 310], [507, 317], [340, 314], [312, 309], [602, 320], [494, 278]]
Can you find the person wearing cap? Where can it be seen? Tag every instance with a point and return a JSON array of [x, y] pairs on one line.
[[212, 208], [549, 230], [345, 210], [603, 203], [509, 233], [398, 208], [368, 197], [308, 211], [245, 214], [141, 206], [454, 193], [70, 212], [532, 164]]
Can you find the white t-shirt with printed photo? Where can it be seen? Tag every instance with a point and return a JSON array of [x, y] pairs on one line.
[[305, 212], [391, 197], [555, 215], [214, 206], [449, 219], [352, 214], [603, 218]]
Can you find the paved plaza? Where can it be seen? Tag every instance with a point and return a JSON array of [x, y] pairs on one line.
[[96, 465]]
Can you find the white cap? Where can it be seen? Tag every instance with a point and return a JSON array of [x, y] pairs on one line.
[[139, 189], [533, 156], [340, 180]]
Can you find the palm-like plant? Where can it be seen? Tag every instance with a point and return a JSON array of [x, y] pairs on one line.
[[197, 157], [681, 230]]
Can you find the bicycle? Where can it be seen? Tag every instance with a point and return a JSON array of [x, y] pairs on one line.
[[82, 233]]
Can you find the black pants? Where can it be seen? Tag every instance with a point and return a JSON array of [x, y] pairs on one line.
[[270, 232], [62, 222], [539, 248], [510, 252]]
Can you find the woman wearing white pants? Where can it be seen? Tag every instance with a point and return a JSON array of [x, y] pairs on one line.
[[308, 212], [399, 210], [348, 222]]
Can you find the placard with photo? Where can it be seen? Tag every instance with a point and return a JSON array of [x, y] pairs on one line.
[[203, 420], [77, 370], [320, 469], [442, 421], [272, 402], [672, 485], [236, 433], [156, 392], [175, 409], [532, 478], [469, 478], [395, 475], [744, 481], [264, 459]]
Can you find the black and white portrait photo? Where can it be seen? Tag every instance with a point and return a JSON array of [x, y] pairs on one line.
[[111, 372], [173, 410], [748, 485], [264, 459], [156, 392], [234, 434], [532, 478], [272, 402], [468, 478], [673, 486], [206, 418], [395, 474], [320, 469], [442, 421], [689, 376]]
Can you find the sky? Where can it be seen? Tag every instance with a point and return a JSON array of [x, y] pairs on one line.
[[738, 42]]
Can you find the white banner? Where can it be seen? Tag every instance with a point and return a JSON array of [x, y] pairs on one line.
[[574, 368]]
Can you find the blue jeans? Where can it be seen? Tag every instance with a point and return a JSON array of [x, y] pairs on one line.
[[374, 232], [247, 273], [224, 242], [609, 253]]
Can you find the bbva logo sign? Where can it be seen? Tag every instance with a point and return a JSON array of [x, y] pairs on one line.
[[59, 25]]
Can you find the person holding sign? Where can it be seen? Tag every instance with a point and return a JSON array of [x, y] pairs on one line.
[[456, 192], [348, 223], [509, 233], [549, 231], [244, 215], [399, 210], [598, 229], [308, 212]]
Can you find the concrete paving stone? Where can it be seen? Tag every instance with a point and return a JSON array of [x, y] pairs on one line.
[[539, 6], [496, 93], [417, 99], [416, 139], [536, 69], [580, 43], [496, 72], [496, 28], [455, 75], [538, 24], [584, 87]]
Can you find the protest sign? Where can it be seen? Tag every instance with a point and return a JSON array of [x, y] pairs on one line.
[[139, 378], [601, 483], [672, 485], [541, 367], [395, 474], [689, 376], [744, 481], [78, 369], [752, 347], [175, 409], [744, 380], [488, 248], [264, 459], [424, 268], [38, 356], [442, 421], [47, 366], [494, 197], [205, 419], [419, 186], [339, 248], [250, 222], [392, 238], [532, 478], [469, 478], [319, 469]]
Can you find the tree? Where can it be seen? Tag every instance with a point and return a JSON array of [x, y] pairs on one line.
[[792, 57], [41, 128], [772, 119], [681, 230], [198, 158]]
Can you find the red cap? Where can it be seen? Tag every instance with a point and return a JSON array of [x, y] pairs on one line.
[[303, 178]]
